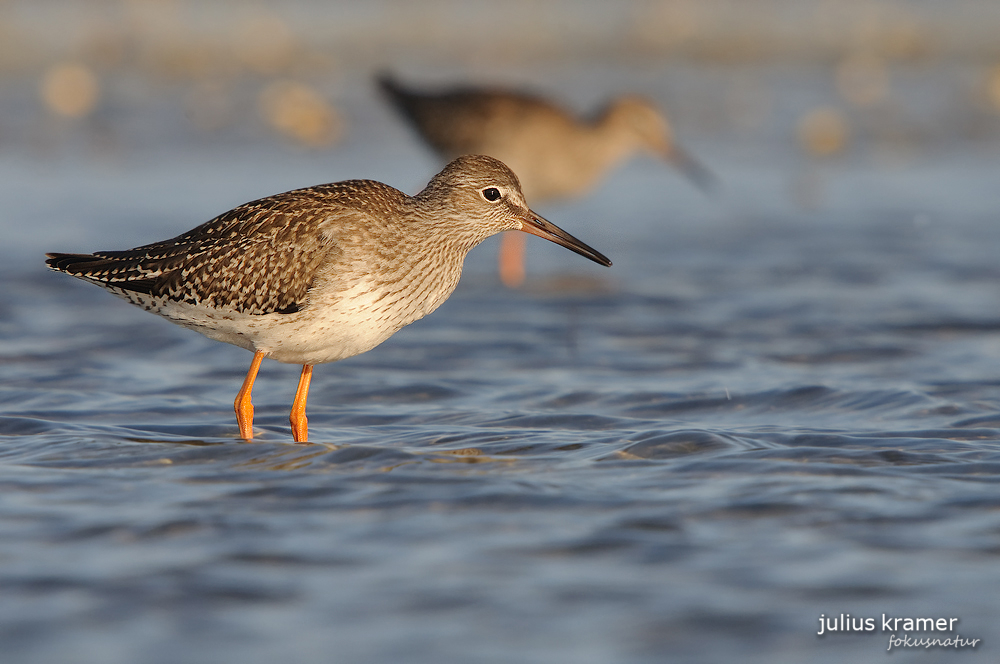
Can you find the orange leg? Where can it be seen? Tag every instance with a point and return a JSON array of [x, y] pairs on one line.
[[300, 425], [512, 259], [243, 406]]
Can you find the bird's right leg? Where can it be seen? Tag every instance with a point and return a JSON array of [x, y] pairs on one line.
[[243, 406], [300, 424]]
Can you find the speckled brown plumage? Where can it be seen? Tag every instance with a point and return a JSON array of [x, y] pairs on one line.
[[320, 274]]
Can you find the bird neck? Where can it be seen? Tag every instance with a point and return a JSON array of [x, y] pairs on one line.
[[435, 244]]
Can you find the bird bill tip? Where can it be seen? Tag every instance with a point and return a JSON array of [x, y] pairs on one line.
[[538, 225]]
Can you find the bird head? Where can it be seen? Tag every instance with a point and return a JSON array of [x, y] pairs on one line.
[[648, 129], [483, 197]]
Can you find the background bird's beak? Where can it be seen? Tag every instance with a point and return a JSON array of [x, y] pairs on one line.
[[690, 168], [538, 225]]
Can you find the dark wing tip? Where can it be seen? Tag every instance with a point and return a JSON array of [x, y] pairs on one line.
[[94, 268], [388, 83], [67, 262]]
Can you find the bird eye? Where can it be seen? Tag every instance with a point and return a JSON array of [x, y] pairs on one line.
[[492, 194]]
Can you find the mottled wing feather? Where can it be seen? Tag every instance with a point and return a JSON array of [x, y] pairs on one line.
[[261, 257]]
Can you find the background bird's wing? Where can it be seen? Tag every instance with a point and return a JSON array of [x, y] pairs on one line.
[[466, 120]]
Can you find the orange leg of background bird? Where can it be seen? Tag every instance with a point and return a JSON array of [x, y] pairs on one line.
[[243, 406], [512, 259], [300, 425]]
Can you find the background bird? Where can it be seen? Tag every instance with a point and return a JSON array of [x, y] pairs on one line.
[[555, 153], [320, 274]]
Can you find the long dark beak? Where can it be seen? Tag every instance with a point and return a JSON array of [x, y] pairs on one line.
[[691, 168], [538, 225]]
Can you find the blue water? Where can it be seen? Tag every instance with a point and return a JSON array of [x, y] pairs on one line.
[[765, 412]]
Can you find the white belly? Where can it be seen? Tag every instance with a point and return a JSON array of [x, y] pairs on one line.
[[339, 326]]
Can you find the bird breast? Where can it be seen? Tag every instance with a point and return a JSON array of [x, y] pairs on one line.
[[348, 316]]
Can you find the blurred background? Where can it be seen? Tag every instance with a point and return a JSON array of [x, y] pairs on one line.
[[776, 96], [887, 82]]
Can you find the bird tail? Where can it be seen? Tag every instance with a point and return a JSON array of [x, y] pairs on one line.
[[74, 264], [102, 270]]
